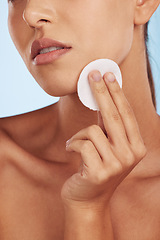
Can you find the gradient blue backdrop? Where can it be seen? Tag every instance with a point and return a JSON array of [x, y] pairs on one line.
[[19, 92]]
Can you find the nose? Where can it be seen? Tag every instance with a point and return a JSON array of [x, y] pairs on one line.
[[37, 13]]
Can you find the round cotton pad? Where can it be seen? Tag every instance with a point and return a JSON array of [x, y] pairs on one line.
[[83, 87]]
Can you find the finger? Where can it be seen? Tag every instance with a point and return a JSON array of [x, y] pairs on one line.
[[95, 135], [92, 164], [125, 110], [87, 150], [111, 118], [100, 123]]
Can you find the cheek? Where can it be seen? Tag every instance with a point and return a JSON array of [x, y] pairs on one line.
[[107, 32], [60, 77]]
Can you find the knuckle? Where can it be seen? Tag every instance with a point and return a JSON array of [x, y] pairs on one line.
[[101, 89], [115, 116], [116, 167], [129, 158], [127, 111], [115, 88], [141, 151], [100, 177], [86, 146], [93, 129]]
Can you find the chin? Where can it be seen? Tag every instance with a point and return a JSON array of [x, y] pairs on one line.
[[60, 93], [60, 89], [58, 83]]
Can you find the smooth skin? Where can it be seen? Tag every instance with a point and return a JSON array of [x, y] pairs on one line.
[[106, 161], [104, 182]]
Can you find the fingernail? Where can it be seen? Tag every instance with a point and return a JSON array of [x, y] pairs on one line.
[[95, 76], [110, 77], [68, 142]]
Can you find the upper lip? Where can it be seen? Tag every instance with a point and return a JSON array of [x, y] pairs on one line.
[[42, 43]]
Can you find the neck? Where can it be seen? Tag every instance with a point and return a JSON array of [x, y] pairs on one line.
[[137, 91], [74, 116]]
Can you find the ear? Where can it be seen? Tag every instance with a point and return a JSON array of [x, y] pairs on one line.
[[144, 9]]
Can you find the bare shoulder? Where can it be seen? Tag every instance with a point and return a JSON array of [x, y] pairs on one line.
[[140, 190], [135, 209], [5, 149], [21, 137], [3, 141], [27, 123], [26, 130], [147, 177], [135, 204]]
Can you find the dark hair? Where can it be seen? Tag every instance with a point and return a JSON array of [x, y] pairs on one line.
[[149, 70]]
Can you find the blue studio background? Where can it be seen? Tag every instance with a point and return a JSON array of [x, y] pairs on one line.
[[19, 92]]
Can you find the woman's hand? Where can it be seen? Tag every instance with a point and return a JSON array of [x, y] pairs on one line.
[[109, 151]]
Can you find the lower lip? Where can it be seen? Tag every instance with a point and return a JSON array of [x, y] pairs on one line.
[[49, 57]]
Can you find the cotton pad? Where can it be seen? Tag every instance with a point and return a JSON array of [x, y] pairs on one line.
[[83, 87]]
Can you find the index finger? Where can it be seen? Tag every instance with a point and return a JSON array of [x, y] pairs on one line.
[[111, 118], [124, 110]]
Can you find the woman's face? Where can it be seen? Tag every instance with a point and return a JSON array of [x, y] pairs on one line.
[[93, 28]]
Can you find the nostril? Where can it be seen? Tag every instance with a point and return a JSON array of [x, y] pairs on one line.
[[44, 20], [35, 17]]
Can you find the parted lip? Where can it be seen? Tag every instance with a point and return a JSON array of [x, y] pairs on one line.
[[42, 43]]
